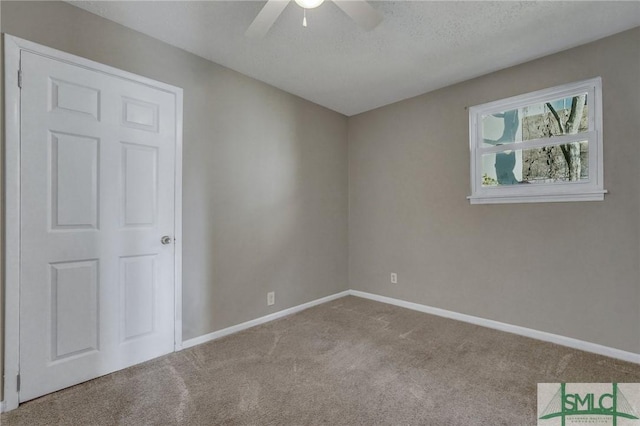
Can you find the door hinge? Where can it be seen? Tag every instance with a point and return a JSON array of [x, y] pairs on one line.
[[20, 78], [18, 382]]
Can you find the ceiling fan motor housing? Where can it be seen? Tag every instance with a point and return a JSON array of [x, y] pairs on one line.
[[309, 4]]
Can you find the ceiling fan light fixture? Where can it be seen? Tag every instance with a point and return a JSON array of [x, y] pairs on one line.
[[309, 4], [360, 11]]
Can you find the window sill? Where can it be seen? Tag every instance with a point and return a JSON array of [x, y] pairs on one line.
[[538, 198]]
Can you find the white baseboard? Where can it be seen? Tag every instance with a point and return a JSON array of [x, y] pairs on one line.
[[515, 329], [522, 331], [236, 328], [509, 328]]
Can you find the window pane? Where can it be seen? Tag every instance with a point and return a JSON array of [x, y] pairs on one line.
[[554, 118], [549, 164]]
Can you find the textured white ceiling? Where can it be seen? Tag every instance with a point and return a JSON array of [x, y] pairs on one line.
[[420, 46]]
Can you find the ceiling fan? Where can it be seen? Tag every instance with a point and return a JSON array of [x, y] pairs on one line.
[[359, 10]]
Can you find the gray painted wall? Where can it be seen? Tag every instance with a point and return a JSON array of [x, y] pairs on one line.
[[265, 172], [1, 217], [565, 268]]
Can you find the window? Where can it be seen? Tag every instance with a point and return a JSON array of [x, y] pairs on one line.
[[538, 147]]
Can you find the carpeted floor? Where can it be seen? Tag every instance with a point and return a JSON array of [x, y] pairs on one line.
[[348, 362]]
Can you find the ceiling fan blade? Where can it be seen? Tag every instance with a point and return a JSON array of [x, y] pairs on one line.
[[266, 18], [360, 11]]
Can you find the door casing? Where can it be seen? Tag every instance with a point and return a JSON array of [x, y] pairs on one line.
[[13, 46]]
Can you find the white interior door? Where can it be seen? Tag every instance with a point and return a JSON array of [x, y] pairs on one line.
[[97, 195]]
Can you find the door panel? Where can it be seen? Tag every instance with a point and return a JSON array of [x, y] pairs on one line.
[[74, 181], [138, 282], [70, 97], [74, 308], [97, 195], [140, 184]]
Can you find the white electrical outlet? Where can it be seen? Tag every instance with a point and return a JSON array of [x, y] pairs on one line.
[[271, 298], [394, 278]]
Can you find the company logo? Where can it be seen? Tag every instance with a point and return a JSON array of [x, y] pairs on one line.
[[561, 404]]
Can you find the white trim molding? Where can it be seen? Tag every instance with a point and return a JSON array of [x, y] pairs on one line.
[[11, 222], [262, 320], [177, 229], [514, 329]]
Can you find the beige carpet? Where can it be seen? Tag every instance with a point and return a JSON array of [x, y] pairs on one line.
[[348, 362]]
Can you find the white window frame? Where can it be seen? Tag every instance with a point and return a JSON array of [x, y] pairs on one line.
[[590, 189]]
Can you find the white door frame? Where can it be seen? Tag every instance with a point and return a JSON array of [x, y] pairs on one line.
[[12, 48]]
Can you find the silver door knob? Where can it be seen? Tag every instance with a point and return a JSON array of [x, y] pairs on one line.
[[166, 240]]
